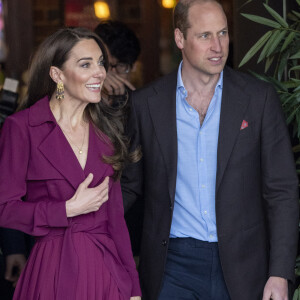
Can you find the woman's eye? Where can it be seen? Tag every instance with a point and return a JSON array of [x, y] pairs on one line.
[[101, 62], [86, 65]]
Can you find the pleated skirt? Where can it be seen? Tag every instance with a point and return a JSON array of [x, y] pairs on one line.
[[39, 278]]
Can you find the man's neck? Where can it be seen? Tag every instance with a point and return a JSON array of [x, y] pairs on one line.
[[196, 81]]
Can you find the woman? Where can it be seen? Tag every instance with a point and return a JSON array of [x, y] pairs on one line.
[[65, 154]]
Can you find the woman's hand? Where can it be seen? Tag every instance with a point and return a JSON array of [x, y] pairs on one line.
[[85, 199], [135, 298]]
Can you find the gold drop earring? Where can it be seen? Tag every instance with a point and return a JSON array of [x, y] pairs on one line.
[[60, 91]]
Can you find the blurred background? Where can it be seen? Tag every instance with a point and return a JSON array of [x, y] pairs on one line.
[[25, 23]]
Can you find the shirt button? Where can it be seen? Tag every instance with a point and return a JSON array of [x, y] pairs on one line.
[[201, 159], [190, 109], [203, 185], [205, 212], [164, 243], [211, 236]]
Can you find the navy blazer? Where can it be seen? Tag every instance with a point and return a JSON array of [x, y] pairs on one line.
[[256, 186]]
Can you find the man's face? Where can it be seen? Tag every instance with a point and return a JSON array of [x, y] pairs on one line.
[[205, 48]]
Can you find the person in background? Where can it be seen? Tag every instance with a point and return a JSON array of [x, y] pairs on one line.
[[12, 260], [217, 174], [123, 48], [64, 153]]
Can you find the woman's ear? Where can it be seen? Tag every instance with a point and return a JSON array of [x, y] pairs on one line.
[[55, 74]]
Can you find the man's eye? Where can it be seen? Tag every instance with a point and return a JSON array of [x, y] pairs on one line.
[[204, 36], [224, 32]]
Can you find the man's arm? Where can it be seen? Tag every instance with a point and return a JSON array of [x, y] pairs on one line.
[[280, 192], [132, 176]]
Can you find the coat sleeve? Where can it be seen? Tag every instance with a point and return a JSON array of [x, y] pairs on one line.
[[120, 235], [34, 218], [280, 189]]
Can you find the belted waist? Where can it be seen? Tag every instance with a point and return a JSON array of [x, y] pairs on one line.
[[73, 228]]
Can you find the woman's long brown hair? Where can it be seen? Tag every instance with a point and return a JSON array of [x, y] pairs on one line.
[[55, 51]]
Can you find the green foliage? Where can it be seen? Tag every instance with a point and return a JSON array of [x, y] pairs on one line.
[[280, 47]]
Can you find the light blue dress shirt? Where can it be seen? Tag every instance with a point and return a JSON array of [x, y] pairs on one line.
[[194, 208]]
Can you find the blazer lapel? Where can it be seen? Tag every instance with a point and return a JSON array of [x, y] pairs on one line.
[[233, 107], [162, 107]]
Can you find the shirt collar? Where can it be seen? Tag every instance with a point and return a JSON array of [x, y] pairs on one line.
[[180, 85]]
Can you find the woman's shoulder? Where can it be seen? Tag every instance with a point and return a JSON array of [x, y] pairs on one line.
[[19, 118]]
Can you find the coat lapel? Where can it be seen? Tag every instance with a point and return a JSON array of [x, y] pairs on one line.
[[233, 108], [56, 149], [99, 145], [58, 152], [162, 107]]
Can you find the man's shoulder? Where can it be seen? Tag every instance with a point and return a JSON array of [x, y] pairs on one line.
[[243, 79], [160, 84]]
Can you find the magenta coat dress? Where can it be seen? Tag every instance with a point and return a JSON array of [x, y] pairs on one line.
[[87, 257]]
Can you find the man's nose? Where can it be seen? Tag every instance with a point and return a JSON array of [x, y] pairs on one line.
[[216, 44]]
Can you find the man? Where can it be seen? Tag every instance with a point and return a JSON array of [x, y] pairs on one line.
[[217, 174], [123, 49]]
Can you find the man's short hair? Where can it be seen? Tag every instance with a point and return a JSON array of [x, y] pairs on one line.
[[120, 40], [181, 11]]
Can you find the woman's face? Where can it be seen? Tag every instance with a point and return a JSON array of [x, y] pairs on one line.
[[83, 73]]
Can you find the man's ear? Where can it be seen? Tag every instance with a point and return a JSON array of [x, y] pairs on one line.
[[179, 38], [56, 74]]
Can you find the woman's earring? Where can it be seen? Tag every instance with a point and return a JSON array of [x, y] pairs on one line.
[[60, 91]]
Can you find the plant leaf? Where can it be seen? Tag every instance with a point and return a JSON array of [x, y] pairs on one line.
[[261, 20], [276, 40], [296, 293], [269, 62], [282, 63], [267, 46], [288, 40], [296, 13], [247, 2], [255, 48], [296, 68], [298, 1], [276, 16], [291, 117], [295, 56]]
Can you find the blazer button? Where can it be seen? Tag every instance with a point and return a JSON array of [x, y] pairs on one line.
[[164, 243], [171, 206]]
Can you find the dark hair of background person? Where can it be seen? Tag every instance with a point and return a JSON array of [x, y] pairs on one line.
[[55, 51], [120, 40], [180, 16]]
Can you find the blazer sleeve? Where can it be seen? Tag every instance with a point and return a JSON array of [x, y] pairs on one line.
[[280, 189], [132, 176], [34, 218], [120, 235]]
